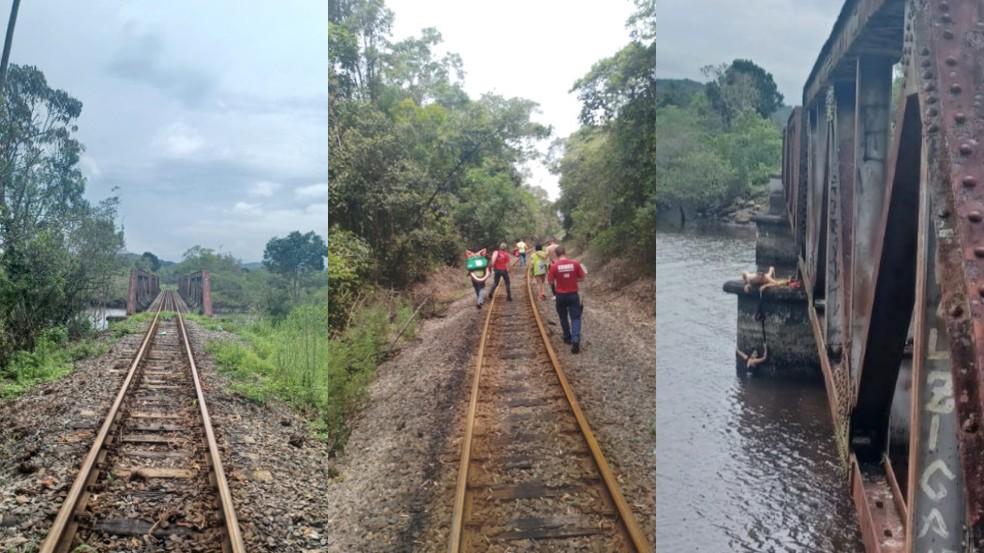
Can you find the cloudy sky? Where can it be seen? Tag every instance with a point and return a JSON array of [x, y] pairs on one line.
[[210, 117], [533, 49], [783, 36]]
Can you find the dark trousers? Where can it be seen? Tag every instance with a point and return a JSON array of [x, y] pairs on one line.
[[569, 305], [504, 275], [479, 286]]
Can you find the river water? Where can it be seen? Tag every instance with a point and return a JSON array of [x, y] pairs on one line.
[[742, 464]]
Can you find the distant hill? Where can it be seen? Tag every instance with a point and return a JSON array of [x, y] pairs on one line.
[[252, 265], [677, 92], [781, 116]]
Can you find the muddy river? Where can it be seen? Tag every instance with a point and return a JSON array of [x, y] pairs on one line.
[[742, 464]]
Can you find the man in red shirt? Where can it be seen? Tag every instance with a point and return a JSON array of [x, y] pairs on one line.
[[500, 266], [564, 274]]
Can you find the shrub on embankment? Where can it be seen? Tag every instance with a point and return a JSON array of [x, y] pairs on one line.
[[296, 361], [53, 356]]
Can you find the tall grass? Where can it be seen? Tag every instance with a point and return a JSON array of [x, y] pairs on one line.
[[294, 360], [53, 356]]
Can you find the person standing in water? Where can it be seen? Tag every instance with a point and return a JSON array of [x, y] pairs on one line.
[[478, 272]]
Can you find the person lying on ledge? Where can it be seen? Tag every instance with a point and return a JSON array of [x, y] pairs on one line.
[[763, 280]]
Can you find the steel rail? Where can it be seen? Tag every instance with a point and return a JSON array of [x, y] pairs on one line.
[[63, 520], [458, 516], [638, 538], [634, 531], [225, 495], [64, 527]]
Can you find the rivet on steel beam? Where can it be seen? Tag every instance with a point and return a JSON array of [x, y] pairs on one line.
[[980, 289], [948, 34], [931, 100], [924, 51], [951, 61], [955, 88], [929, 86], [943, 213], [956, 310], [969, 181], [932, 112], [960, 117], [946, 18], [979, 251], [944, 6], [926, 63], [970, 425], [966, 149], [975, 216], [932, 128]]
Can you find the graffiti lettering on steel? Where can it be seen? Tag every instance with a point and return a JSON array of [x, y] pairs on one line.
[[936, 493]]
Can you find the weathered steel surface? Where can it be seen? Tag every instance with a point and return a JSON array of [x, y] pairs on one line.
[[936, 490], [859, 199], [948, 43], [143, 290], [874, 89], [196, 290], [863, 27]]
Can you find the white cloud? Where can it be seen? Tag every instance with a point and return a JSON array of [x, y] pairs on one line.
[[319, 190], [264, 189], [89, 167], [179, 140], [244, 208]]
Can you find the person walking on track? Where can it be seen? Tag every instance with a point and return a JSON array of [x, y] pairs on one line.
[[551, 257], [478, 272], [500, 267], [521, 250], [565, 274], [539, 263]]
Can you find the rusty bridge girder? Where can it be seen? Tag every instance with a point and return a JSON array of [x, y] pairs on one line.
[[143, 289], [196, 290], [885, 201]]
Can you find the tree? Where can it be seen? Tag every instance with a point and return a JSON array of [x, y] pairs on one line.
[[149, 262], [295, 254], [740, 86], [59, 251]]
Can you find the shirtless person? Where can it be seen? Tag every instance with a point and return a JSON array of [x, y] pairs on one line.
[[753, 359], [762, 280]]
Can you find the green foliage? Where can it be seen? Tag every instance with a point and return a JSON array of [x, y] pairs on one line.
[[412, 155], [60, 251], [295, 253], [52, 357], [739, 87], [350, 261], [295, 361]]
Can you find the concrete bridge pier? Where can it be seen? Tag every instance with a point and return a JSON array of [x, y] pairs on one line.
[[777, 317]]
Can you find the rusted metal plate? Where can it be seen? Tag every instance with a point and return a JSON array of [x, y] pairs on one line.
[[890, 307], [948, 43], [863, 27], [936, 492]]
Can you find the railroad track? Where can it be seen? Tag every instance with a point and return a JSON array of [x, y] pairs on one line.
[[153, 478], [532, 476]]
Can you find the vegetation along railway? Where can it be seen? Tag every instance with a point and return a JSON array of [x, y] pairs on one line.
[[531, 468], [155, 458]]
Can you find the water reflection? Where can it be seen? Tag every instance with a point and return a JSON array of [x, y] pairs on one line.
[[742, 464]]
